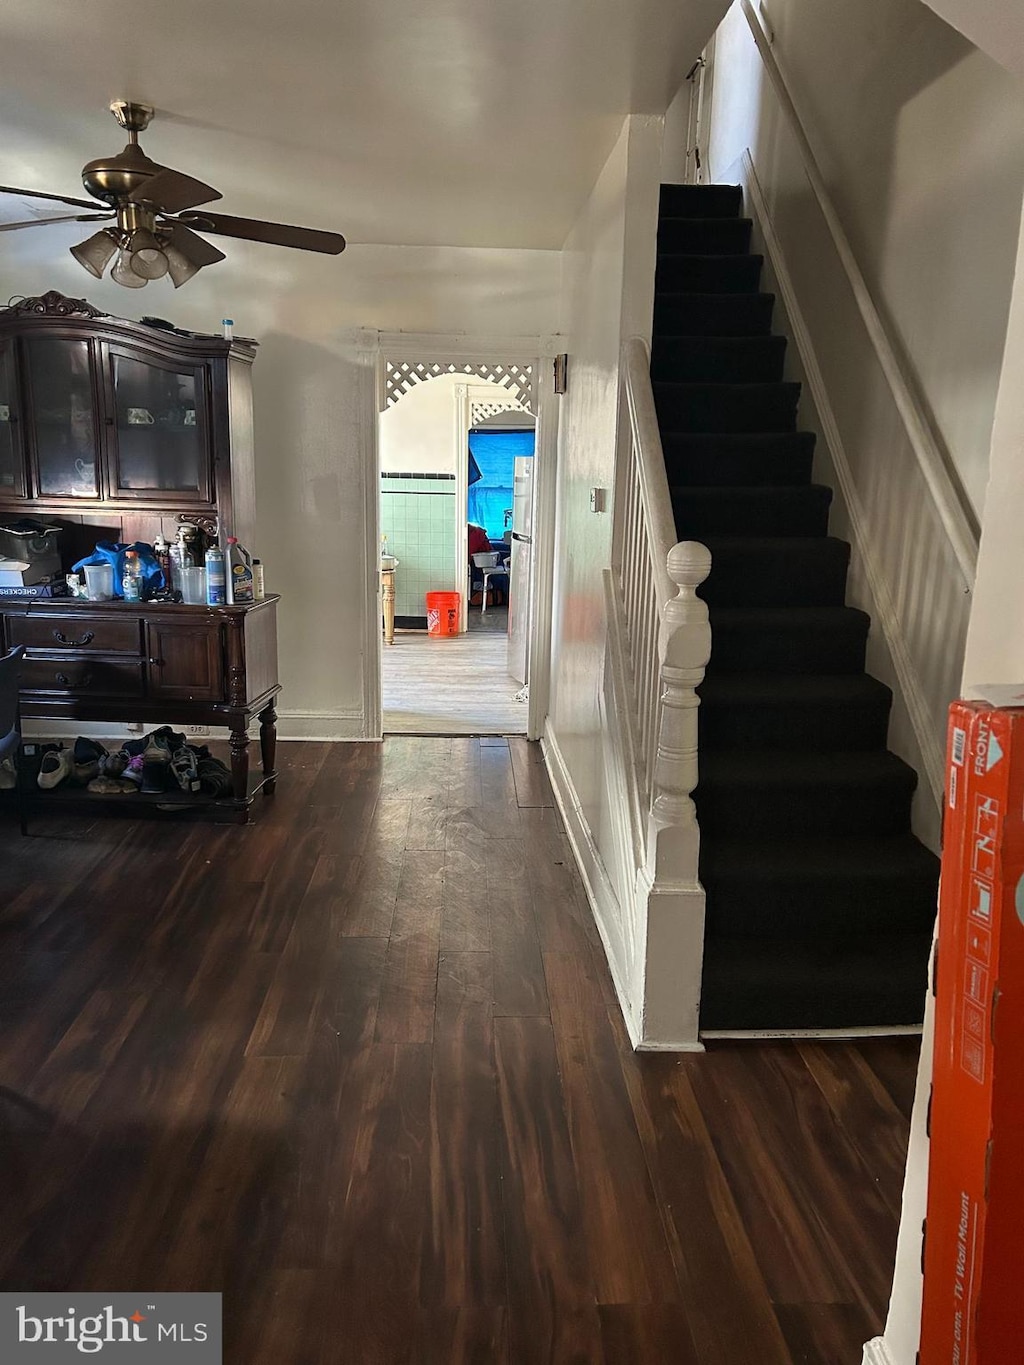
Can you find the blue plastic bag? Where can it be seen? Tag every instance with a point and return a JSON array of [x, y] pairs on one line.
[[107, 552]]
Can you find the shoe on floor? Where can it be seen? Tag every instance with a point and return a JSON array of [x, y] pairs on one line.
[[55, 767], [183, 766], [88, 758], [133, 771], [214, 777], [111, 786], [113, 765], [156, 762], [8, 776]]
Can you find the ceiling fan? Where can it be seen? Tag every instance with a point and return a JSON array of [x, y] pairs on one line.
[[155, 211]]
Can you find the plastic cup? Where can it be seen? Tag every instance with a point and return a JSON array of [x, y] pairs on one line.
[[99, 582], [193, 586]]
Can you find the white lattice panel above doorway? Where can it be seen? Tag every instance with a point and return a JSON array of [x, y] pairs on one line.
[[403, 375]]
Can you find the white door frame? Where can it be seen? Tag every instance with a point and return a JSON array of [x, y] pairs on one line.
[[396, 347]]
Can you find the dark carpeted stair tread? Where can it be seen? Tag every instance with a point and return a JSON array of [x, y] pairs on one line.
[[761, 983], [773, 793], [704, 236], [818, 640], [796, 571], [718, 360], [819, 888], [803, 713], [738, 458], [700, 201], [718, 273], [712, 314], [767, 510], [726, 407]]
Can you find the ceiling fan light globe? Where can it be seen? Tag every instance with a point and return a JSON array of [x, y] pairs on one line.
[[123, 273], [95, 252], [151, 263], [179, 267]]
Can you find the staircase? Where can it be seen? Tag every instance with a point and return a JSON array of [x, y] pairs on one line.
[[820, 902]]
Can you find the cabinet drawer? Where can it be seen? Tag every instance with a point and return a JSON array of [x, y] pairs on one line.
[[82, 676], [97, 634]]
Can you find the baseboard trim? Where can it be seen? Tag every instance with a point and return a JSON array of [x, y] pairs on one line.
[[834, 1034], [322, 725], [604, 904], [877, 1353], [929, 743]]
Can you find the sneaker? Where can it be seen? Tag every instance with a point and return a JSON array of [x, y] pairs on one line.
[[113, 765], [55, 767], [87, 757], [111, 786], [156, 761], [133, 772], [184, 768], [214, 777], [8, 776]]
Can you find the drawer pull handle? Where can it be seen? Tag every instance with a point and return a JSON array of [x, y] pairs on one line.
[[83, 681], [62, 639]]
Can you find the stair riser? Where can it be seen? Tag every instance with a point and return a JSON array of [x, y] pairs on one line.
[[810, 910], [725, 315], [816, 728], [784, 576], [719, 360], [727, 407], [704, 236], [778, 810], [775, 512], [857, 999], [772, 651], [700, 201], [725, 274]]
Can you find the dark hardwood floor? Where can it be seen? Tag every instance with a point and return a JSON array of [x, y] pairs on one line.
[[359, 1066]]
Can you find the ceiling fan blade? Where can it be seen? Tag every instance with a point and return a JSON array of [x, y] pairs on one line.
[[173, 191], [193, 246], [277, 234], [57, 198], [64, 218]]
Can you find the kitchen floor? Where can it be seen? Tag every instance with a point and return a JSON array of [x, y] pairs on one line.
[[359, 1066], [452, 685]]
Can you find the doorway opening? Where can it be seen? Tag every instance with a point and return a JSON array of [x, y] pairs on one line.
[[457, 451]]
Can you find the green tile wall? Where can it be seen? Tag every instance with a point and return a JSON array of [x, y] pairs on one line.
[[418, 518]]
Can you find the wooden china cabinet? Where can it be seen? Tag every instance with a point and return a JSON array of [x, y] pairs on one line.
[[119, 430]]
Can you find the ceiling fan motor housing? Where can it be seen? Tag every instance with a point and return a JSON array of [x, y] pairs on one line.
[[113, 178]]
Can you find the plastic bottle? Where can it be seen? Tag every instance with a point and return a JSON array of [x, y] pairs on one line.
[[131, 584], [216, 578], [259, 588], [228, 324], [240, 587], [163, 557]]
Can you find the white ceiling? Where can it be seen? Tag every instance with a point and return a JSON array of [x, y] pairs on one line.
[[435, 122]]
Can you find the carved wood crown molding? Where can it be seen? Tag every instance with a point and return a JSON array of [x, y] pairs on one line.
[[53, 304]]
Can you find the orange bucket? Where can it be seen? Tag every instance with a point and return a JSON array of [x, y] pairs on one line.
[[443, 613]]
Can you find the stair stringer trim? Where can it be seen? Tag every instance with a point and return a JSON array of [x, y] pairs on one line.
[[929, 743]]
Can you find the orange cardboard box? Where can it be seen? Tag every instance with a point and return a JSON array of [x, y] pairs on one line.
[[973, 1311]]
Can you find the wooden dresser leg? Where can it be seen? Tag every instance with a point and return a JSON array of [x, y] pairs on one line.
[[240, 763], [268, 746]]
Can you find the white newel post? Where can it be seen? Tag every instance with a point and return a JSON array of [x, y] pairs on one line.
[[670, 882]]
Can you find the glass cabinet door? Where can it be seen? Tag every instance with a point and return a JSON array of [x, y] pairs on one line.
[[12, 467], [159, 410], [63, 417]]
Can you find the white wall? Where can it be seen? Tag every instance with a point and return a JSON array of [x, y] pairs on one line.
[[607, 295], [996, 26], [418, 432], [314, 409]]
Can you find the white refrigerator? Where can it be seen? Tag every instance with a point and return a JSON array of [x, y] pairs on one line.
[[521, 569]]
